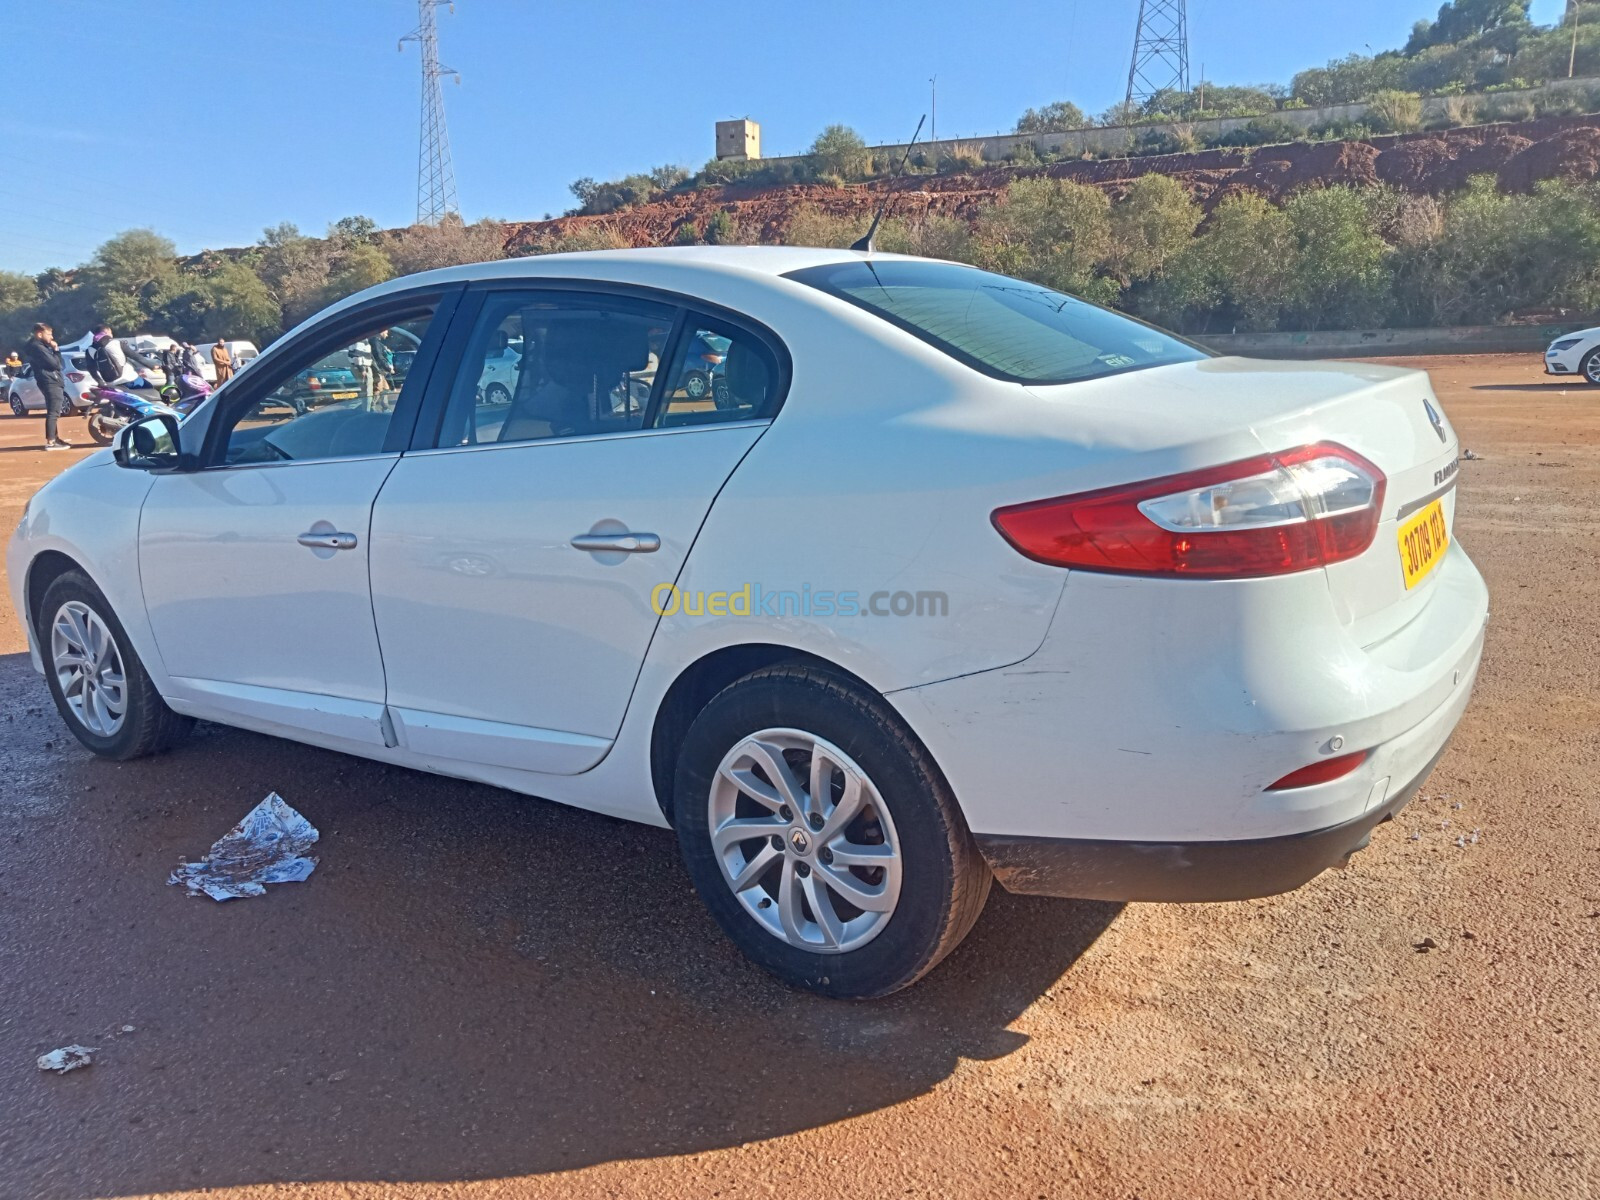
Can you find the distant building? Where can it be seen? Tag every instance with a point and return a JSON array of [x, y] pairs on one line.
[[739, 140]]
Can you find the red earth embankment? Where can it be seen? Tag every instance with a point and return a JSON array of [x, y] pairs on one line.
[[1518, 155]]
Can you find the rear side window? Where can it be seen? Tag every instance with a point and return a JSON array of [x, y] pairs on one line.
[[1004, 327], [721, 372]]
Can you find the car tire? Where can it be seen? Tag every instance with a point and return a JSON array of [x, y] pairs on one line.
[[933, 884], [496, 393], [145, 725], [18, 408], [696, 384], [1589, 367]]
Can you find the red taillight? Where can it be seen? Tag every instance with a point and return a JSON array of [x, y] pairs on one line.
[[1269, 515], [313, 383], [76, 376], [1320, 772]]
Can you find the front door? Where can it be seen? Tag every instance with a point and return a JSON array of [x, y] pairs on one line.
[[517, 564], [254, 567]]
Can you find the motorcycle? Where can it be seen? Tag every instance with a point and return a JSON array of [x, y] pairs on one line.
[[113, 408]]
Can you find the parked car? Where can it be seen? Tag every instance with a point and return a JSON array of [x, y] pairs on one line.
[[1575, 354], [969, 580], [23, 395]]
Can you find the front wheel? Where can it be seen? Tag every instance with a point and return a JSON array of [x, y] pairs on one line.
[[822, 836], [1590, 366], [95, 677], [18, 408], [696, 384]]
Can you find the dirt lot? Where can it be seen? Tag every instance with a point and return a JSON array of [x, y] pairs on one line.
[[479, 995]]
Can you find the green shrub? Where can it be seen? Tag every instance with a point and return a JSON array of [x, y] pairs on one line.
[[1262, 131], [722, 229], [1393, 111]]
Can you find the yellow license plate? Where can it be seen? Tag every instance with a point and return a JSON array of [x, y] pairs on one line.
[[1423, 541], [343, 395]]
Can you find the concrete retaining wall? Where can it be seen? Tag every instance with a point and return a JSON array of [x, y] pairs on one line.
[[1378, 343], [1117, 139]]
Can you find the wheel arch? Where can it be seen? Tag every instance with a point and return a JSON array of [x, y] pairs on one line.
[[693, 689], [47, 567]]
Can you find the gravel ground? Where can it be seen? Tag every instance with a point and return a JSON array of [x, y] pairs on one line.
[[481, 996]]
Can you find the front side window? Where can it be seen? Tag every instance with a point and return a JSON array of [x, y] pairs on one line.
[[719, 373], [546, 365], [336, 405], [1003, 327]]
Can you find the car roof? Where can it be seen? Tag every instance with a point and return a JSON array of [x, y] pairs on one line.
[[654, 266]]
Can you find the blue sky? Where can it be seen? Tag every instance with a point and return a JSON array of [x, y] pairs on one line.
[[210, 119]]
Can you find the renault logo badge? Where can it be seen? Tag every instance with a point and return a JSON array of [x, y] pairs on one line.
[[1433, 416]]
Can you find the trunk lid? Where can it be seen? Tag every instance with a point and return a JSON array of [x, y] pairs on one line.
[[1203, 413]]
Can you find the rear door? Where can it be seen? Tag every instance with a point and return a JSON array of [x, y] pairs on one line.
[[520, 554]]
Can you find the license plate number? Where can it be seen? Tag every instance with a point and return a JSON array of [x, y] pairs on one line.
[[1423, 541]]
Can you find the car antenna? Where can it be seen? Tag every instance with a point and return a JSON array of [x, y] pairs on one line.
[[865, 244]]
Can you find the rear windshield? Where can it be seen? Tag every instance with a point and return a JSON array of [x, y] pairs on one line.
[[1003, 327]]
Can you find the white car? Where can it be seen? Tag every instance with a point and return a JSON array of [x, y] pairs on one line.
[[1575, 354], [965, 579]]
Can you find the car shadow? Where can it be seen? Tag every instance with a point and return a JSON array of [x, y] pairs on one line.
[[1554, 385], [471, 985]]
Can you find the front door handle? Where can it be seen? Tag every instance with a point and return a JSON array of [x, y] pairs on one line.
[[328, 541], [617, 543]]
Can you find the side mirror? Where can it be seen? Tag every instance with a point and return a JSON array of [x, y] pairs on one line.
[[148, 445]]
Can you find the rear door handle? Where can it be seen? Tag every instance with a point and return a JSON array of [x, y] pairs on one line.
[[623, 543], [328, 541]]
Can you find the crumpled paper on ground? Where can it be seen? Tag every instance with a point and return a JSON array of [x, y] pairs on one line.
[[268, 846], [67, 1058]]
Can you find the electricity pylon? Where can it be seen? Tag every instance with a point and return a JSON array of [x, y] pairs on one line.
[[436, 174], [1160, 51]]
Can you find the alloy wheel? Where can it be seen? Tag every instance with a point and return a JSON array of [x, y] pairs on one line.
[[1591, 368], [89, 669], [805, 842]]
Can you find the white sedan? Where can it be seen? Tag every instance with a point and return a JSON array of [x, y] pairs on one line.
[[963, 579], [1575, 354]]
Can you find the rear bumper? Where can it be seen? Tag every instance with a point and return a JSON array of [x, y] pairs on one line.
[[1184, 872]]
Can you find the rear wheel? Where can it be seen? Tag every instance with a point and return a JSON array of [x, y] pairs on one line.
[[96, 679], [102, 429], [1590, 366], [822, 836], [496, 393], [18, 408], [696, 384]]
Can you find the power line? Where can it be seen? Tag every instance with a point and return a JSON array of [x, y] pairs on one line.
[[436, 174], [1160, 51]]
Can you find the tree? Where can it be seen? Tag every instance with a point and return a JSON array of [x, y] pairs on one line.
[[228, 301], [1151, 225], [1059, 117], [840, 152], [130, 276], [360, 267], [1459, 20], [1237, 274], [1349, 80], [353, 231], [295, 269], [1339, 277], [447, 244], [1050, 231]]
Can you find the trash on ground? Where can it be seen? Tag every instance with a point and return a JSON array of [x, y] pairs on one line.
[[268, 846], [67, 1058], [1470, 454]]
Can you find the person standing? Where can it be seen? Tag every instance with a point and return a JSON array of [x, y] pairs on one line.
[[45, 359], [172, 363], [222, 360]]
